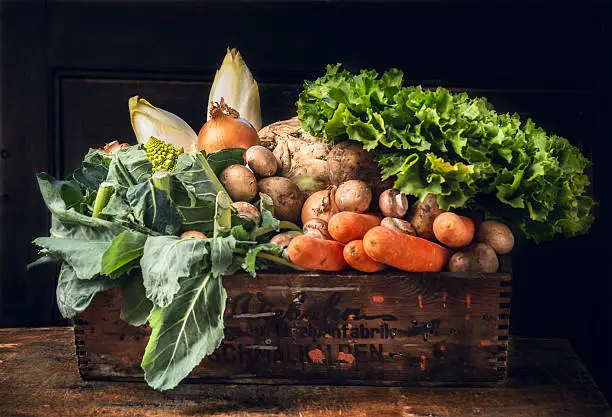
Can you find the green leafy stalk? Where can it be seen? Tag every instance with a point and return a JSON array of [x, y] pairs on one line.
[[105, 192], [130, 242], [162, 181]]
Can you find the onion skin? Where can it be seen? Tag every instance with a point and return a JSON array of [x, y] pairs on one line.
[[315, 208], [225, 129]]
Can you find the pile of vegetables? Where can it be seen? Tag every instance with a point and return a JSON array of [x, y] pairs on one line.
[[344, 227], [365, 179], [456, 148], [166, 237]]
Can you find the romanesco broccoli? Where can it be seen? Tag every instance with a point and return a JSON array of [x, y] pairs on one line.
[[162, 154]]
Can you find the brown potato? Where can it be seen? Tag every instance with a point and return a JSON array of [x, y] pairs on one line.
[[353, 195], [497, 235], [239, 182], [286, 197], [422, 215], [392, 203], [460, 262], [248, 211], [477, 258], [484, 258], [261, 161]]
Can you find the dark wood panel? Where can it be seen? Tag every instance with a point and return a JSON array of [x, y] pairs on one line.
[[24, 296], [94, 110], [490, 43], [546, 379]]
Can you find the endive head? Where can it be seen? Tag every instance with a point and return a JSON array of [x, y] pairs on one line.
[[235, 84], [148, 120]]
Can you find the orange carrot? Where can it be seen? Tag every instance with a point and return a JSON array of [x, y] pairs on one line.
[[453, 230], [318, 254], [347, 226], [405, 252], [355, 256]]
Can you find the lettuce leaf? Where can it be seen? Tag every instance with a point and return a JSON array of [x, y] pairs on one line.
[[455, 147]]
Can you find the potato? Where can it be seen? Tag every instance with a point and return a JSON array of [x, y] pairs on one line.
[[349, 161], [286, 197], [193, 234], [497, 235], [477, 258], [239, 182], [484, 258], [248, 211], [353, 195], [422, 215], [261, 161], [460, 262], [392, 203], [317, 228]]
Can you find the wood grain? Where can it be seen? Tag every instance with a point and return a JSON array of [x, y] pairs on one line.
[[39, 377], [343, 328]]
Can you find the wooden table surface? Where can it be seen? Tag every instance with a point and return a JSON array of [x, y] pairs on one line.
[[38, 377]]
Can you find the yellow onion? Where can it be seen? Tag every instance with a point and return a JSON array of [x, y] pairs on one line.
[[320, 205], [226, 129]]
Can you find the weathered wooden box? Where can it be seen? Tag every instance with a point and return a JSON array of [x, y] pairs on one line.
[[391, 328]]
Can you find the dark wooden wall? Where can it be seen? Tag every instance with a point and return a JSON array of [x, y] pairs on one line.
[[68, 69]]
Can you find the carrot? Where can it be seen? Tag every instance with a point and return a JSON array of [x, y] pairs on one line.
[[453, 230], [347, 226], [403, 251], [355, 256], [318, 254]]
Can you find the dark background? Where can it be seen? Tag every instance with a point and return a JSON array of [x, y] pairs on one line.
[[68, 69]]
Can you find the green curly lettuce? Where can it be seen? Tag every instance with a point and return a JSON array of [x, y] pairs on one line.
[[455, 147]]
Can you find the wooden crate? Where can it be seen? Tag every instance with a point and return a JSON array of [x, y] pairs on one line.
[[391, 328]]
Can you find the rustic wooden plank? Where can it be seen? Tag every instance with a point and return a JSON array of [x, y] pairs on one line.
[[25, 296], [38, 377], [391, 328]]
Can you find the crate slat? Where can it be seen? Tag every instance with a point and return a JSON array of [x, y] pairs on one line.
[[345, 328]]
